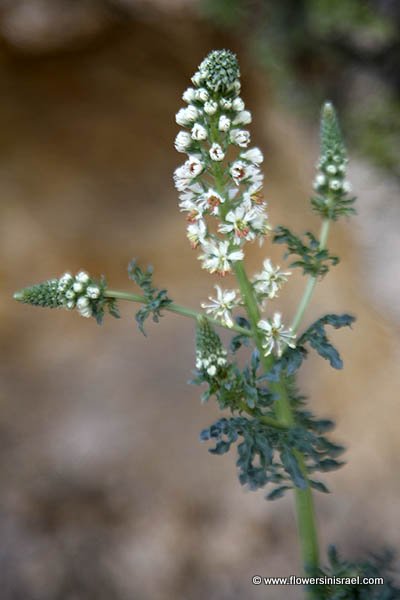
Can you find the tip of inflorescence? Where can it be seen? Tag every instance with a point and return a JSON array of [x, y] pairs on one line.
[[18, 296]]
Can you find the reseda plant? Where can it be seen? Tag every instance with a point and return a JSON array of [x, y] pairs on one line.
[[279, 443]]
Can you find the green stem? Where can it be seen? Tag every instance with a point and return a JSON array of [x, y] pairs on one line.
[[304, 500], [308, 292], [174, 308]]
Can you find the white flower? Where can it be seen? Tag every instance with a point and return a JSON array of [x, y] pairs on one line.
[[184, 174], [194, 209], [187, 115], [210, 107], [238, 105], [93, 291], [221, 307], [82, 276], [275, 336], [335, 184], [238, 171], [242, 118], [66, 278], [216, 152], [182, 178], [270, 280], [194, 166], [319, 181], [254, 177], [346, 186], [199, 132], [182, 141], [70, 304], [240, 137], [82, 302], [77, 287], [189, 95], [197, 78], [224, 123], [70, 294], [83, 305], [254, 155], [212, 370], [331, 169], [217, 257], [201, 95], [213, 200], [197, 232], [225, 103], [239, 223]]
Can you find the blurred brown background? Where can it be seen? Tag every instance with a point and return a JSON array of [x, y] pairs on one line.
[[106, 491]]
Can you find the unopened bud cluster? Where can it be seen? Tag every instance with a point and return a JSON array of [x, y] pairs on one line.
[[210, 354], [331, 176], [79, 291]]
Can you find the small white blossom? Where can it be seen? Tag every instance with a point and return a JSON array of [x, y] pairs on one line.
[[346, 186], [197, 78], [275, 336], [238, 171], [93, 292], [183, 141], [83, 306], [254, 177], [66, 278], [199, 132], [189, 95], [331, 169], [197, 232], [239, 222], [70, 294], [225, 103], [194, 166], [212, 370], [82, 276], [210, 107], [217, 257], [186, 115], [270, 280], [184, 174], [254, 155], [213, 200], [216, 152], [335, 185], [224, 123], [240, 137], [238, 105], [202, 95], [242, 118], [77, 286], [221, 307], [70, 304], [319, 181]]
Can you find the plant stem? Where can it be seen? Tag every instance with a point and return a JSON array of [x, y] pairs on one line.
[[304, 501], [175, 308], [305, 300]]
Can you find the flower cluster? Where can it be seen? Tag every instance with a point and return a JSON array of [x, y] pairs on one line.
[[79, 291], [210, 354], [221, 178]]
